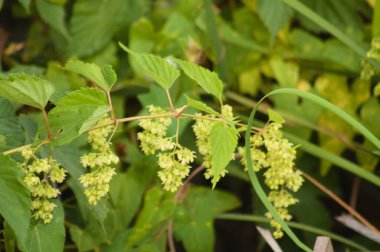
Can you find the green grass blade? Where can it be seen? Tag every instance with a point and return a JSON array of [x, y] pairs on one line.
[[300, 226], [313, 16], [257, 187]]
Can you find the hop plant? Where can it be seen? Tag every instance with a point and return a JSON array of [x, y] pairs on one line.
[[153, 137], [276, 155], [368, 69], [39, 174], [174, 167], [96, 182], [202, 129]]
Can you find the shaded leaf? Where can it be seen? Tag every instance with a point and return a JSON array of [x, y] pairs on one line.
[[26, 89], [275, 117], [14, 199], [274, 14], [48, 237], [10, 129], [53, 14]]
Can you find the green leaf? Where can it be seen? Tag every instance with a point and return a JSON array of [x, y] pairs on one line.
[[157, 209], [127, 189], [208, 80], [53, 14], [224, 140], [105, 77], [25, 4], [48, 237], [10, 129], [376, 21], [26, 89], [14, 199], [275, 117], [274, 14], [159, 69], [94, 23], [201, 106], [3, 141], [77, 112], [193, 220]]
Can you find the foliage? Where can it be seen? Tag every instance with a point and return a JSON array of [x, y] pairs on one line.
[[95, 156]]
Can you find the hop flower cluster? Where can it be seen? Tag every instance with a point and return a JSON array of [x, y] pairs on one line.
[[173, 158], [202, 129], [96, 182], [153, 138], [175, 167], [276, 155], [368, 70], [39, 174]]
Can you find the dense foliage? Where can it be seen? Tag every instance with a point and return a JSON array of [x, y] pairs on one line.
[[130, 125]]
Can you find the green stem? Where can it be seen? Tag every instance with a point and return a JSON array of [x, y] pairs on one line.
[[300, 226], [46, 120]]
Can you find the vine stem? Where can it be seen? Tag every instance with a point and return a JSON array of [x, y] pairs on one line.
[[46, 120], [179, 196], [111, 107], [341, 203], [170, 101]]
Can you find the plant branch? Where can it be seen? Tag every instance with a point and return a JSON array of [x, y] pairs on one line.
[[341, 203], [170, 101]]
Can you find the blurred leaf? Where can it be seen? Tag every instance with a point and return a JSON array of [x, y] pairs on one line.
[[208, 80], [376, 21], [223, 140], [105, 77], [376, 90], [3, 141], [274, 14], [77, 112], [10, 129], [48, 237], [287, 74], [14, 199], [25, 4], [53, 14], [334, 88], [275, 117], [250, 81], [157, 209], [370, 115], [159, 69], [127, 189], [201, 106], [193, 220], [26, 89], [95, 22]]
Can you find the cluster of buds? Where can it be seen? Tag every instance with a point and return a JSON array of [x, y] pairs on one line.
[[368, 69], [153, 138], [276, 155], [40, 174], [175, 167], [202, 129], [99, 161], [173, 158]]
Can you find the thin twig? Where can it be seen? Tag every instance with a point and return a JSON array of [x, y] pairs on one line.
[[170, 101], [341, 203], [181, 191], [170, 236], [355, 192]]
